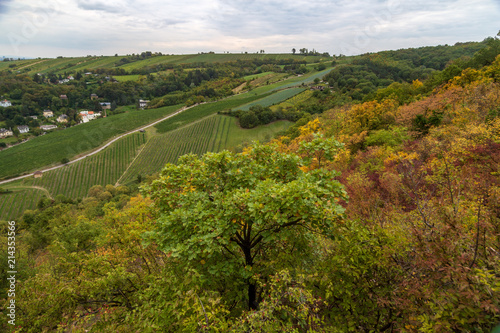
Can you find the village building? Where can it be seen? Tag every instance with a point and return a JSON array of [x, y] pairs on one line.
[[105, 105], [89, 115], [38, 174], [23, 129], [48, 127], [62, 118], [48, 113], [94, 96], [5, 132], [143, 103], [5, 103], [33, 117], [63, 97]]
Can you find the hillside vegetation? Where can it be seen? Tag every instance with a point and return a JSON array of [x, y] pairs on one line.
[[377, 214]]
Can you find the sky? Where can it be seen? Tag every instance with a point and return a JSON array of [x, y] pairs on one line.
[[51, 28]]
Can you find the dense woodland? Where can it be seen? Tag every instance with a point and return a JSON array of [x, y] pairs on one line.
[[378, 211]]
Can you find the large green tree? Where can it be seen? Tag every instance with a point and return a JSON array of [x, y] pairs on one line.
[[232, 217]]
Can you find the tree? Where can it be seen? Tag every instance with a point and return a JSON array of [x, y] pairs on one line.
[[294, 50], [228, 215]]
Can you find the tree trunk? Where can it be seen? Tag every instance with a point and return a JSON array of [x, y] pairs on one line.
[[252, 296], [252, 290]]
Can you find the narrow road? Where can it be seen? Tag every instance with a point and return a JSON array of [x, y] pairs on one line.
[[102, 147]]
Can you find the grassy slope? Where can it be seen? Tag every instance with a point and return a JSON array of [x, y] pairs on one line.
[[61, 65]]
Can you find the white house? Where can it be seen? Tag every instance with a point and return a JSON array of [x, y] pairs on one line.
[[23, 129], [143, 103], [5, 103], [48, 113], [89, 115], [48, 127]]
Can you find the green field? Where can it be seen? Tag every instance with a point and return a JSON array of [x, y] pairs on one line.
[[255, 76], [295, 100], [275, 98], [72, 65], [53, 147]]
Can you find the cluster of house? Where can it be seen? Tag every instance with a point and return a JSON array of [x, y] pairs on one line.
[[86, 116], [49, 114], [8, 132], [89, 115], [66, 80]]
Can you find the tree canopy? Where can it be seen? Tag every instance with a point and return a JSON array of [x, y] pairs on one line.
[[232, 215]]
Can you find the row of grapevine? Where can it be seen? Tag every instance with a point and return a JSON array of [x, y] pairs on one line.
[[293, 101], [13, 204], [196, 138], [275, 98], [103, 168]]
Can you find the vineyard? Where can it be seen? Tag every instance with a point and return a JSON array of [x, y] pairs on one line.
[[196, 138], [131, 156], [14, 203], [204, 110], [211, 134], [103, 168], [275, 98], [295, 100], [72, 65]]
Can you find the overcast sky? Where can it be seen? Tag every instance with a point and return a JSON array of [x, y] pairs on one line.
[[51, 28]]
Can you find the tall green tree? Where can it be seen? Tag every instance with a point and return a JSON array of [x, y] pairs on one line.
[[228, 215]]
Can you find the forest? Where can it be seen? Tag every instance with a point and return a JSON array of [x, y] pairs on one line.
[[377, 211]]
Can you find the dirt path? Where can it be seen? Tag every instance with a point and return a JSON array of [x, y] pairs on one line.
[[37, 187], [32, 64]]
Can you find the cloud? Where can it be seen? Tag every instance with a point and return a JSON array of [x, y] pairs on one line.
[[4, 6], [114, 6], [336, 26]]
